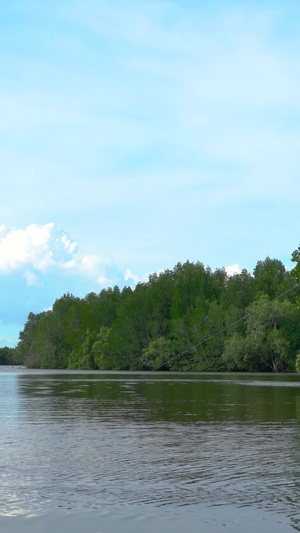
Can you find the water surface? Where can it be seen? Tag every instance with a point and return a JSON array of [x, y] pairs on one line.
[[162, 447]]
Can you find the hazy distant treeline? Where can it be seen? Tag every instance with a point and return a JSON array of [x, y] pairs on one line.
[[162, 324]]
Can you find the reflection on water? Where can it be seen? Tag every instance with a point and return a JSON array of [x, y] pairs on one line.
[[74, 441]]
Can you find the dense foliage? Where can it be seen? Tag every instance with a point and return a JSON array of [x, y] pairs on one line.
[[188, 318], [8, 356]]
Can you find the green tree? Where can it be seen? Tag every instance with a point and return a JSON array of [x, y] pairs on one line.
[[158, 355], [100, 350], [83, 358], [237, 353], [188, 312], [239, 291], [29, 345], [296, 270], [265, 346], [271, 278], [189, 286], [8, 356], [297, 365]]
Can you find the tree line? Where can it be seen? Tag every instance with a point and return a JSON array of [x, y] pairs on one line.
[[189, 318], [7, 356]]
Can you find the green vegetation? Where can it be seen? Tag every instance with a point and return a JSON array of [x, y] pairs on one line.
[[296, 270], [8, 356], [170, 323]]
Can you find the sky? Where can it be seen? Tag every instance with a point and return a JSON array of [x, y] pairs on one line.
[[137, 134]]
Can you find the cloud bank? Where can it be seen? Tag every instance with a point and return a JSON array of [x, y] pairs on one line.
[[40, 250]]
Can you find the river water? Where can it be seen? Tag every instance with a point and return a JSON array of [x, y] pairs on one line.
[[111, 452]]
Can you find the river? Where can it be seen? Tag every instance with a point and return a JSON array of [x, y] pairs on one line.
[[109, 452]]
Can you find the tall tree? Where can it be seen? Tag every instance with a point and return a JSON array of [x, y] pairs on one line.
[[296, 270]]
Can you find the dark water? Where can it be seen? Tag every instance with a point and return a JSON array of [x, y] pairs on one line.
[[74, 441]]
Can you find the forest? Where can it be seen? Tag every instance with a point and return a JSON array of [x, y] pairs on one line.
[[189, 318]]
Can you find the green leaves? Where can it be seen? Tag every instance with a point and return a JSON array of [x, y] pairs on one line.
[[266, 344], [158, 355]]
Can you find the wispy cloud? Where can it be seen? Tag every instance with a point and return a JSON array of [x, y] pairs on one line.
[[130, 276], [32, 279]]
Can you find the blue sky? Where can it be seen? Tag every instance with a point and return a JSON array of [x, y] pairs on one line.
[[138, 134]]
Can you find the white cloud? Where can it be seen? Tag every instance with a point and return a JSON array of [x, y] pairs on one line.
[[48, 309], [69, 264], [40, 247], [19, 248], [105, 282], [69, 245], [90, 264], [130, 276], [37, 252], [32, 279], [233, 269]]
